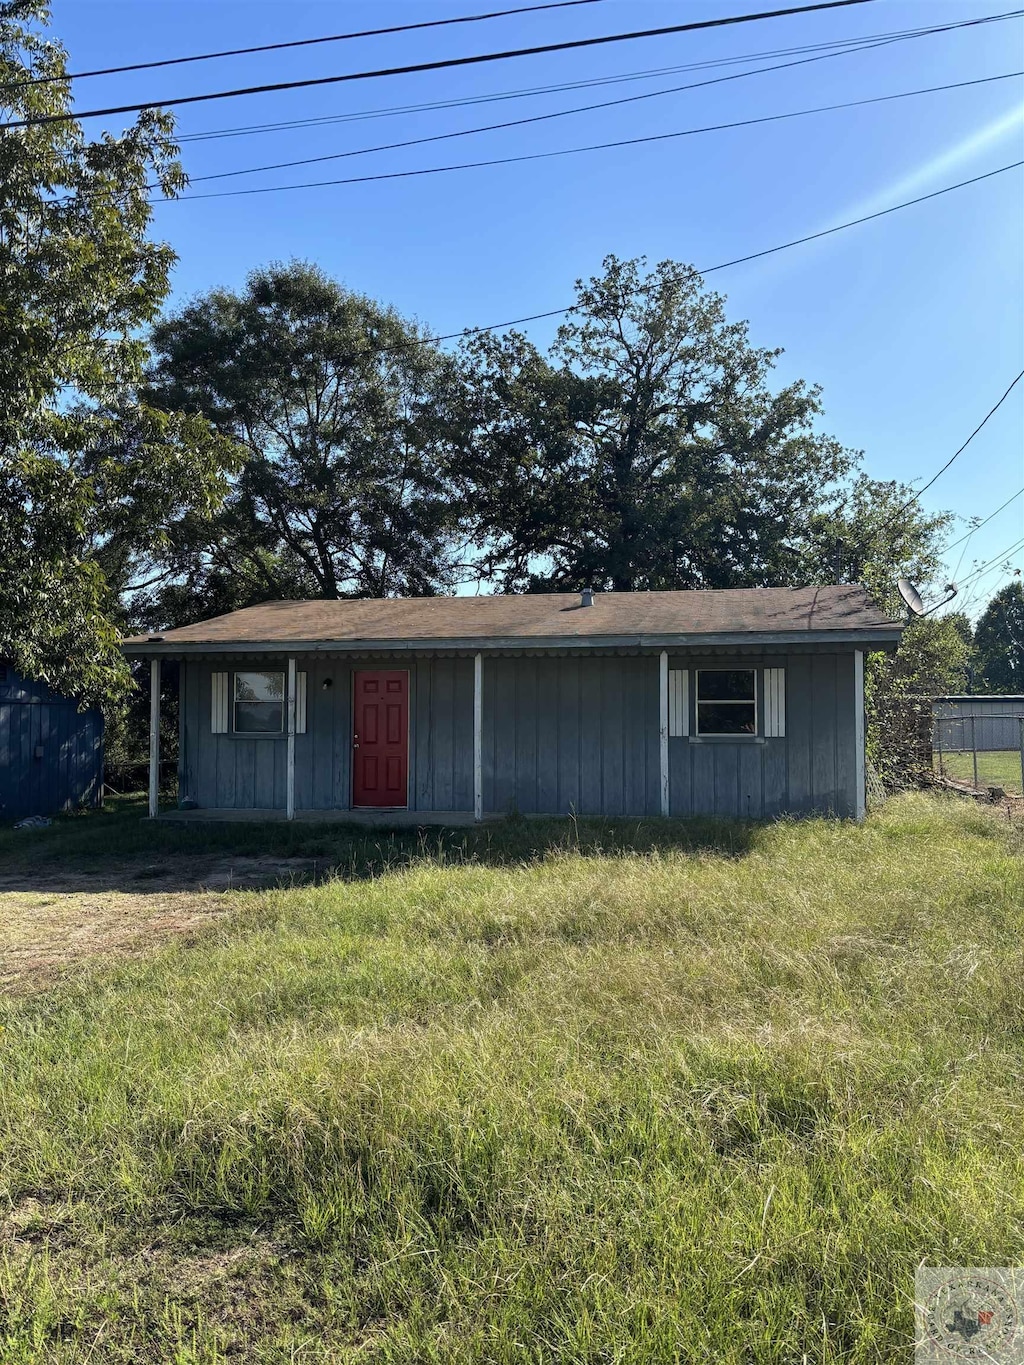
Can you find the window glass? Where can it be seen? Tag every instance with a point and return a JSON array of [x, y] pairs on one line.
[[725, 684], [259, 703], [726, 701]]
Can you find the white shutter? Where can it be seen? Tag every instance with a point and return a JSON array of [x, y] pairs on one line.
[[775, 703], [300, 703], [678, 702], [219, 703]]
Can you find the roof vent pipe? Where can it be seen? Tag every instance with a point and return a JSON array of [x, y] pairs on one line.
[[587, 597]]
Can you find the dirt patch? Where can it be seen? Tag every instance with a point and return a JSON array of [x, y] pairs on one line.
[[173, 872], [41, 933], [58, 917]]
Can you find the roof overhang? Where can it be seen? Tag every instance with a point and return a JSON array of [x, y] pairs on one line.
[[873, 639]]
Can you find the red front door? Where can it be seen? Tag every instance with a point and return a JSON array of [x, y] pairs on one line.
[[380, 739]]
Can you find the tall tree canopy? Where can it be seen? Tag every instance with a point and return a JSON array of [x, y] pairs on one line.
[[90, 478], [648, 451], [999, 640], [341, 409]]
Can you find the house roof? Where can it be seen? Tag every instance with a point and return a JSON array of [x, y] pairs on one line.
[[539, 620]]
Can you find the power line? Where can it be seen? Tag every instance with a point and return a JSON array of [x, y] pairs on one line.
[[838, 48], [588, 108], [532, 156], [956, 454], [706, 270], [994, 563], [301, 42], [447, 64], [991, 515]]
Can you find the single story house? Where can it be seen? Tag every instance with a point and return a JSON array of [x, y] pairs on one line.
[[746, 703], [51, 753]]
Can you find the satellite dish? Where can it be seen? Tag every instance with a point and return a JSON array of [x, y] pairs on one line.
[[911, 596]]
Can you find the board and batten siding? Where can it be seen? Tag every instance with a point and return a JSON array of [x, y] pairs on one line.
[[51, 754], [565, 734], [236, 772], [560, 734], [811, 769]]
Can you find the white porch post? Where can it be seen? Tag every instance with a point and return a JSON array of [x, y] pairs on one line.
[[290, 771], [154, 738], [663, 728], [858, 733], [478, 737]]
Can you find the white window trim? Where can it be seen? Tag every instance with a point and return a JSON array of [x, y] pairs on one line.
[[257, 734], [728, 701]]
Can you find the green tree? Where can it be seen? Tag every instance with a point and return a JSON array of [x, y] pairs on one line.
[[877, 535], [999, 638], [340, 408], [648, 451], [90, 478]]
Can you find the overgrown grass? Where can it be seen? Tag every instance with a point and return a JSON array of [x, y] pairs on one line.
[[691, 1104]]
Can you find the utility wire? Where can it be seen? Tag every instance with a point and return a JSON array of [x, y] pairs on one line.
[[588, 108], [839, 48], [447, 64], [957, 453], [980, 524], [965, 541], [989, 565], [706, 270], [301, 42], [535, 156]]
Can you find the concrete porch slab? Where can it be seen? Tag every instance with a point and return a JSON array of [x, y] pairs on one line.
[[375, 819]]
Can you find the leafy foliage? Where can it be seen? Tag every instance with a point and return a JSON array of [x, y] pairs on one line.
[[648, 451], [339, 406], [87, 473], [999, 638]]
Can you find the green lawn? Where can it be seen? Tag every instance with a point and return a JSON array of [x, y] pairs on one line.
[[999, 768], [496, 1099]]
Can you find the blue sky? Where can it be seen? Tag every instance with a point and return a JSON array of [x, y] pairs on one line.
[[911, 324]]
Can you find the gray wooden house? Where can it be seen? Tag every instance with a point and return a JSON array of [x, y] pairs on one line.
[[745, 703], [51, 754]]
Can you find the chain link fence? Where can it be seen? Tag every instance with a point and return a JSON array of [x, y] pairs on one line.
[[981, 752]]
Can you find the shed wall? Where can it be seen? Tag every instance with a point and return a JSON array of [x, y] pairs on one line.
[[51, 754]]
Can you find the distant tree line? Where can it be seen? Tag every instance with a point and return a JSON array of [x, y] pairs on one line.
[[296, 439]]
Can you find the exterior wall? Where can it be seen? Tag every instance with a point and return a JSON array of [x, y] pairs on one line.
[[812, 770], [51, 754], [567, 733], [235, 772], [560, 734]]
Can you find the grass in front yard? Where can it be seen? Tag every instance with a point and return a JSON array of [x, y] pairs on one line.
[[996, 768], [705, 1103]]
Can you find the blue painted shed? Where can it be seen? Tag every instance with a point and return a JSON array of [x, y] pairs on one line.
[[744, 703], [51, 754]]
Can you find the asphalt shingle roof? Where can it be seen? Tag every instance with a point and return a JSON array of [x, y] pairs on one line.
[[539, 617]]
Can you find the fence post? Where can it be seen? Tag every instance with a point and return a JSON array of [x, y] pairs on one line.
[[974, 749], [938, 736], [1021, 724]]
